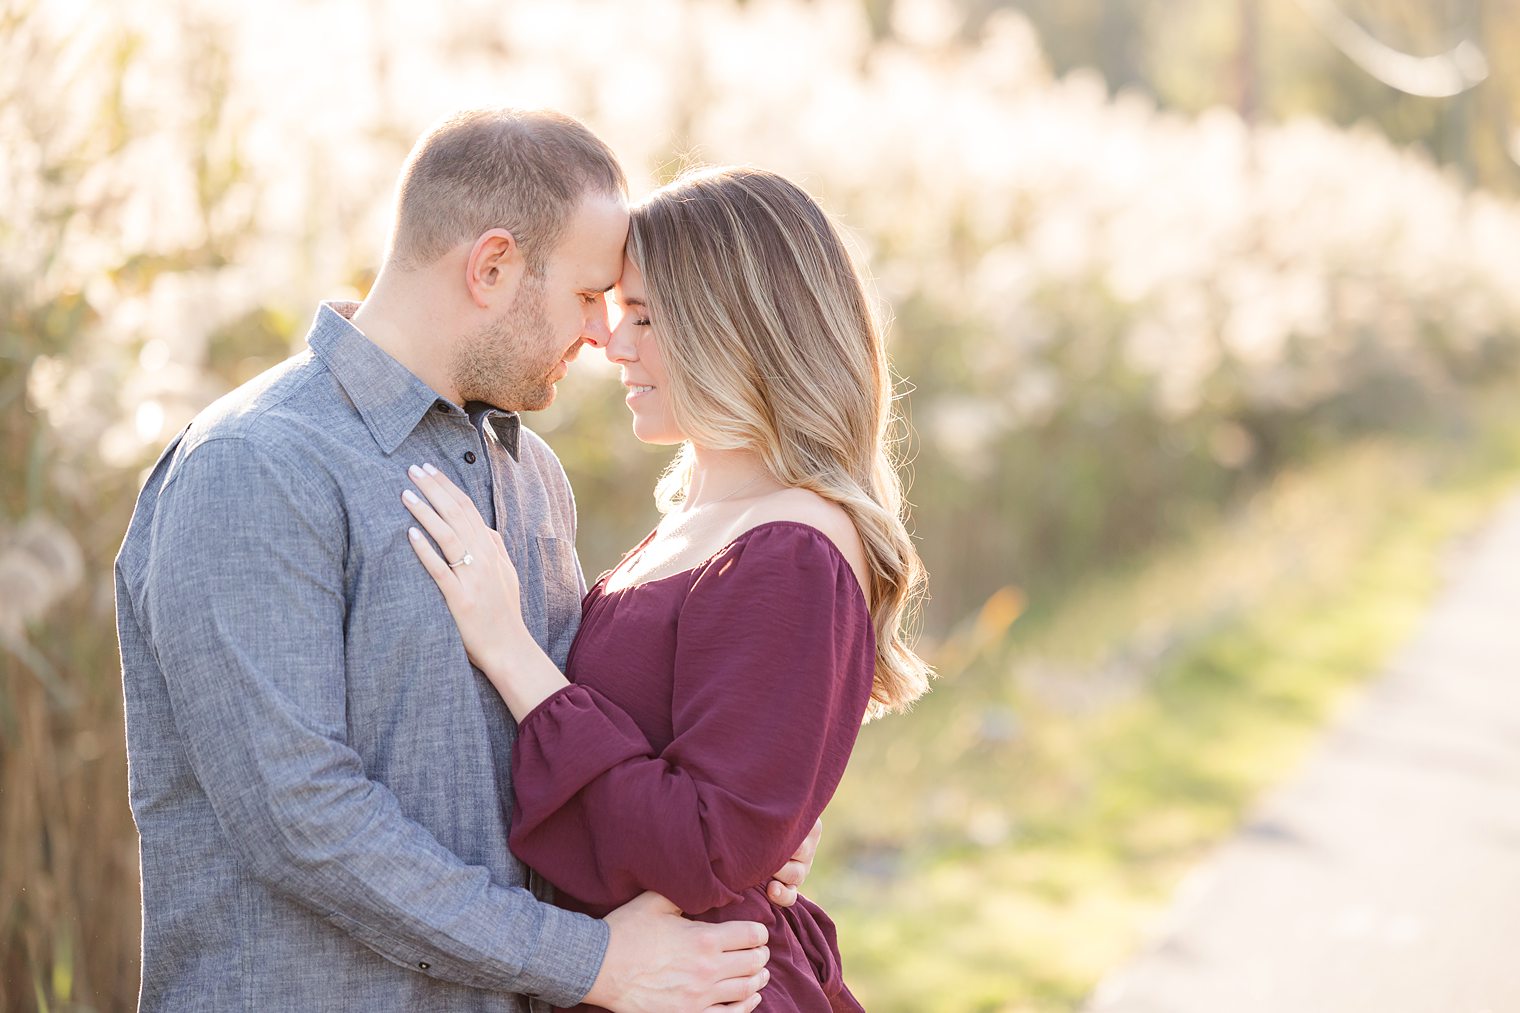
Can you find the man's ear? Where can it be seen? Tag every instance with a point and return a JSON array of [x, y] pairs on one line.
[[494, 269]]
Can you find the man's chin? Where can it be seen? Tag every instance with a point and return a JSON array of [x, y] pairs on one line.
[[537, 401]]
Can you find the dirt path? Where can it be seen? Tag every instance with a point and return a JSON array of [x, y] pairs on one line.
[[1385, 876]]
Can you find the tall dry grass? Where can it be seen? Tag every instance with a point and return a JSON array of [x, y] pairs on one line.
[[69, 925]]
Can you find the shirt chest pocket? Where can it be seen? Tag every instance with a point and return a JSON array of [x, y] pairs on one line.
[[559, 583]]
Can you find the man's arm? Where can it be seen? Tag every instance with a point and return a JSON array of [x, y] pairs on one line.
[[658, 961], [244, 606]]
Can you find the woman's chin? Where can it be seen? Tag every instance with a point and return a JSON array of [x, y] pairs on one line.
[[655, 436]]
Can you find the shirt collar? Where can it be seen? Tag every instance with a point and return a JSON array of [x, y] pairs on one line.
[[390, 398], [506, 425]]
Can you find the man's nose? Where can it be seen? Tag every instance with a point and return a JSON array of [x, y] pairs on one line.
[[596, 332]]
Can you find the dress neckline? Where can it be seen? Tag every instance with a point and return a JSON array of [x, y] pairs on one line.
[[601, 590]]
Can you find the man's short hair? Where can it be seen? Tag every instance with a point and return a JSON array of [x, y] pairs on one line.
[[522, 170]]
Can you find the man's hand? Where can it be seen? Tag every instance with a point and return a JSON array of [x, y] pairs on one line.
[[658, 962], [782, 889]]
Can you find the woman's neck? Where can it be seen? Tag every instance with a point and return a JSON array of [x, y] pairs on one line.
[[719, 475]]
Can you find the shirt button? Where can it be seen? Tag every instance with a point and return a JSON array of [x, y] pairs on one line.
[[469, 457], [423, 964]]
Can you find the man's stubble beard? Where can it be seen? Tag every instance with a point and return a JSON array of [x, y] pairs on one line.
[[499, 363]]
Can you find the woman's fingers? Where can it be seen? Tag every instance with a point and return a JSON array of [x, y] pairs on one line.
[[452, 491], [442, 531], [447, 498], [791, 874], [431, 483], [463, 516], [810, 842], [433, 563]]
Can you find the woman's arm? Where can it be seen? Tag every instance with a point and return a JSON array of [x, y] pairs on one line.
[[480, 585], [740, 789], [772, 673]]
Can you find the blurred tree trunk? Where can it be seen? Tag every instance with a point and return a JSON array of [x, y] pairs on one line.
[[1121, 41], [1247, 63]]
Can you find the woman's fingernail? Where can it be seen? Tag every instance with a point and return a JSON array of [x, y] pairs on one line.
[[430, 469], [414, 471], [410, 497], [416, 535]]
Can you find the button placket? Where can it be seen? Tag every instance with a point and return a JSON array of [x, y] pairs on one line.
[[499, 491], [480, 484]]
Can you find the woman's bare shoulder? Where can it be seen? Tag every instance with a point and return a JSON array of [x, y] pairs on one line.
[[804, 506]]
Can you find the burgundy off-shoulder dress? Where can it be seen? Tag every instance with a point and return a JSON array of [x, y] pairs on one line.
[[709, 720]]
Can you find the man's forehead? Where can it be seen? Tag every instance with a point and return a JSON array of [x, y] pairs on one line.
[[606, 220], [593, 246], [604, 214]]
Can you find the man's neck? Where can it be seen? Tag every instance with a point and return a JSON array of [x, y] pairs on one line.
[[401, 324]]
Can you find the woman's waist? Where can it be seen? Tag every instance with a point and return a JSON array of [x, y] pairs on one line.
[[801, 936]]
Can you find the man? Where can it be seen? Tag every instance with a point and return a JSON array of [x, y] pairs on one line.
[[319, 778]]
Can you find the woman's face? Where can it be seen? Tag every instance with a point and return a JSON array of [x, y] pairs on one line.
[[635, 348]]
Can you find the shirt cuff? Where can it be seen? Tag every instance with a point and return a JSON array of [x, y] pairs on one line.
[[569, 955]]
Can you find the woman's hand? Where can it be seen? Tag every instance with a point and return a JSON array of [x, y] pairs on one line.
[[480, 586], [782, 889]]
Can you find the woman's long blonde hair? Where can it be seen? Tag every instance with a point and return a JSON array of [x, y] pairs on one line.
[[771, 346]]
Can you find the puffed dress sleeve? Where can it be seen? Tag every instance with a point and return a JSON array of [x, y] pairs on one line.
[[773, 666]]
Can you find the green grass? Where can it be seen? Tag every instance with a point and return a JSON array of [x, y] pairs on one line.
[[1006, 844]]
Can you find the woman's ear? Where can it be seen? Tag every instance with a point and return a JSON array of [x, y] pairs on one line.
[[494, 269]]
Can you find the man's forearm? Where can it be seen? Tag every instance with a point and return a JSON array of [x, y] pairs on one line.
[[388, 883]]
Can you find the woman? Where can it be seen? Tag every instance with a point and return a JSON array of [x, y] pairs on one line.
[[723, 667]]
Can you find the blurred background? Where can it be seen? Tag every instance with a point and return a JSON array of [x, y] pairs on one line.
[[1207, 314]]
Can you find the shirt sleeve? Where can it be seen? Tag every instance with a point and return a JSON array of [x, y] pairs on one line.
[[774, 662], [245, 607]]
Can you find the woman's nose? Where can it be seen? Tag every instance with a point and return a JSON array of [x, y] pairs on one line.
[[619, 346]]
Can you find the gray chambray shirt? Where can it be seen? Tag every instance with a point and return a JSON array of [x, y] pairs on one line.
[[319, 777]]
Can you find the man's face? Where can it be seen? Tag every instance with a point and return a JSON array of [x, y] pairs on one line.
[[514, 361]]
